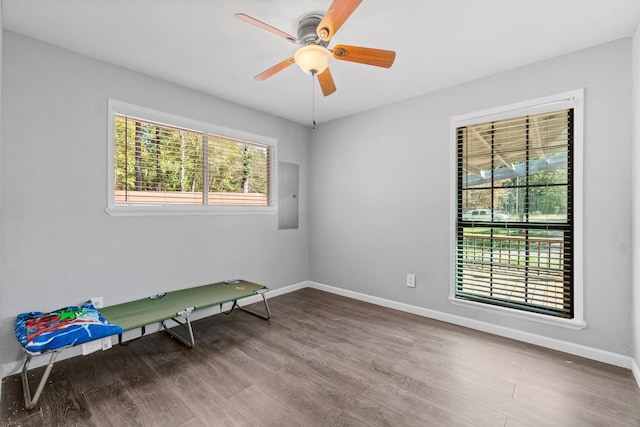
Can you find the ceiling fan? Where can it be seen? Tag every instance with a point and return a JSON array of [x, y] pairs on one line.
[[314, 33]]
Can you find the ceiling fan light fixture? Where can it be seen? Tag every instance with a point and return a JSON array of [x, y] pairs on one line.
[[313, 59]]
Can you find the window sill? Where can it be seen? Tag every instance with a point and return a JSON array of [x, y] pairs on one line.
[[187, 210], [575, 323]]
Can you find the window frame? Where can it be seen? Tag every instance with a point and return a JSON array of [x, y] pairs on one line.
[[116, 107], [573, 99]]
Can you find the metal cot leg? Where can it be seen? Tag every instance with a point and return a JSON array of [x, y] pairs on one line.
[[30, 403], [186, 323], [255, 313]]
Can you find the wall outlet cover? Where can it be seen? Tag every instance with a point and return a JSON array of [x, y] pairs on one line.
[[411, 280]]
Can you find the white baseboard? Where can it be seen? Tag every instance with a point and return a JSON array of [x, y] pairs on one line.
[[552, 343], [636, 370], [284, 290]]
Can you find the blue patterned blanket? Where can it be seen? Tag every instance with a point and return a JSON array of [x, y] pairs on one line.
[[39, 332]]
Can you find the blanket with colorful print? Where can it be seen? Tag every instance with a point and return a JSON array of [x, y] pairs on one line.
[[39, 332]]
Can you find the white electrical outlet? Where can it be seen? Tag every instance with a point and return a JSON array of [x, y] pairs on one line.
[[411, 280], [98, 302]]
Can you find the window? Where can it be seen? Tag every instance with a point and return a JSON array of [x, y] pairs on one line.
[[168, 163], [516, 208]]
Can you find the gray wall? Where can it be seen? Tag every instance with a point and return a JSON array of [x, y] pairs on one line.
[[380, 194], [636, 202], [59, 245], [1, 126]]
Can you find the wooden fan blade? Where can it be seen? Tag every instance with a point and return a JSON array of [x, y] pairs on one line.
[[337, 14], [276, 68], [327, 84], [260, 24], [364, 55]]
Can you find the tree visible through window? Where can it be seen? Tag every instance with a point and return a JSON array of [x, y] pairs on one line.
[[160, 164], [514, 233]]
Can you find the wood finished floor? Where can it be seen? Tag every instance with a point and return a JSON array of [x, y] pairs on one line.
[[325, 360]]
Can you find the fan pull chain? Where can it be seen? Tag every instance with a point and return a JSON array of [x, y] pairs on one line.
[[313, 101]]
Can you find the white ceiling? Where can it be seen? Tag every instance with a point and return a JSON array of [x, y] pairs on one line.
[[200, 45]]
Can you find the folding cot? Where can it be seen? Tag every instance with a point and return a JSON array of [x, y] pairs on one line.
[[50, 333]]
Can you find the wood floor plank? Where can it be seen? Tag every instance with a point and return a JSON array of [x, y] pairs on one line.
[[326, 360], [450, 365], [599, 412], [347, 420], [64, 401], [200, 393], [158, 348], [384, 413], [304, 403], [263, 409], [197, 422], [442, 397], [418, 410], [31, 420], [511, 422], [100, 368], [12, 404], [112, 405], [210, 369], [158, 405]]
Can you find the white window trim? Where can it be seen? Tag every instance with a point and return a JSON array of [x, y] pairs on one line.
[[120, 107], [573, 99]]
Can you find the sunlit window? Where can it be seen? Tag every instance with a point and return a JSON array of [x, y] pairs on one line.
[[515, 212]]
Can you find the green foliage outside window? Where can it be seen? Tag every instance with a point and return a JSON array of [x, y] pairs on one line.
[[152, 157]]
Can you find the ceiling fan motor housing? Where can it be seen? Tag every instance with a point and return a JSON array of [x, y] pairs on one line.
[[307, 30]]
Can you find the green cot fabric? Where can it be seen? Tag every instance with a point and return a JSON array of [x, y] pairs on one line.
[[142, 312]]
